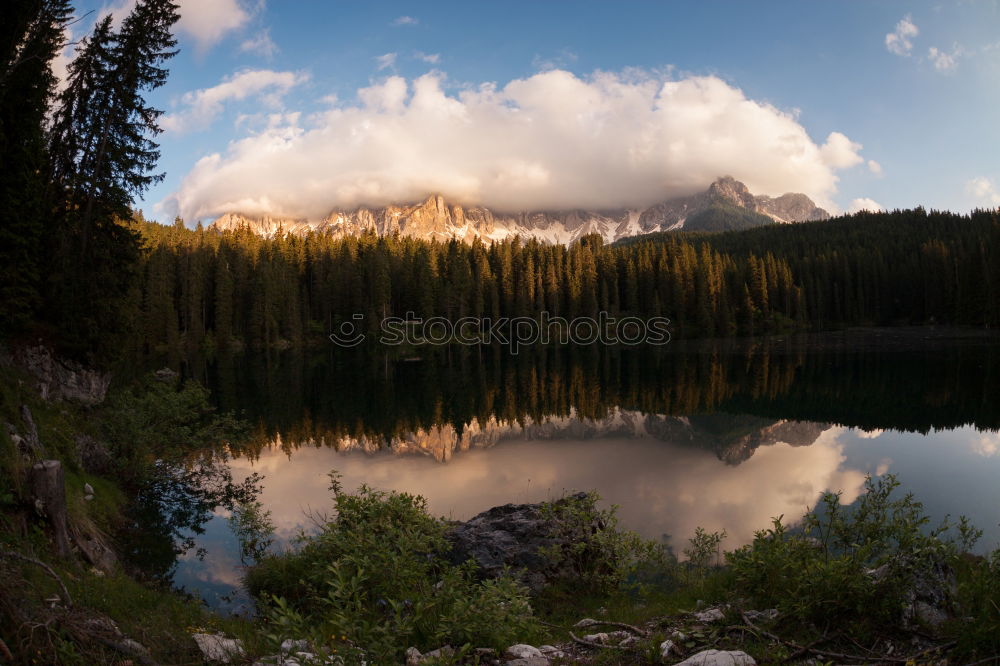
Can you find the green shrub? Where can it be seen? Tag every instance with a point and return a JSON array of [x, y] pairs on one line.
[[848, 564], [162, 419], [376, 578], [978, 633], [596, 556]]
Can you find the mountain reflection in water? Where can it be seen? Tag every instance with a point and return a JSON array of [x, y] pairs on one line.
[[717, 438]]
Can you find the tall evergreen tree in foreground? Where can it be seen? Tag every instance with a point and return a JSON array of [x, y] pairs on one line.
[[103, 155], [31, 36]]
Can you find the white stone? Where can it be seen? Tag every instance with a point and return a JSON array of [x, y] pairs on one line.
[[522, 651], [292, 645], [666, 647], [719, 658], [551, 651], [601, 638], [413, 656], [135, 646], [629, 641], [88, 489], [711, 615], [216, 647], [762, 616]]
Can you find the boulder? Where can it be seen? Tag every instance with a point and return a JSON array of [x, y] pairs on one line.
[[719, 658], [62, 380], [930, 593], [514, 536], [522, 651]]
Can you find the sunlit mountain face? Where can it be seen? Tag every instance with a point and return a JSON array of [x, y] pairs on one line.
[[726, 205]]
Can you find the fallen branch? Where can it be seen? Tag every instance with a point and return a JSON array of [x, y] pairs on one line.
[[48, 569], [824, 653], [621, 625], [807, 648], [934, 648], [592, 644]]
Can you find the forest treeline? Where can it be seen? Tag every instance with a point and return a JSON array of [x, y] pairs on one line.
[[232, 289]]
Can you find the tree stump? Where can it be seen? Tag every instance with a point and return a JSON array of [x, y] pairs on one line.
[[48, 486]]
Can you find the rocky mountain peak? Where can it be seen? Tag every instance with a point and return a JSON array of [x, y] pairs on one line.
[[732, 190], [436, 218]]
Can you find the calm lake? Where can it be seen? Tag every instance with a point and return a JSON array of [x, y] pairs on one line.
[[723, 436]]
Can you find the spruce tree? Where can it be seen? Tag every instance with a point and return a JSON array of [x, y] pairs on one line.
[[31, 36], [103, 153]]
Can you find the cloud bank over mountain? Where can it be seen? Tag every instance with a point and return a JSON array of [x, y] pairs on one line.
[[547, 142]]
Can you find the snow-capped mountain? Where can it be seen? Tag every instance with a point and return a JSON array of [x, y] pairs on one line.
[[727, 203]]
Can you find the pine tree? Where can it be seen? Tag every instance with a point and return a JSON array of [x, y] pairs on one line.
[[30, 38], [103, 154]]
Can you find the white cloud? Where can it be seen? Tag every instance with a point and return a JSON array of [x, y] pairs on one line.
[[899, 41], [561, 60], [385, 61], [60, 64], [205, 21], [405, 20], [866, 204], [840, 152], [875, 168], [260, 44], [983, 189], [547, 142], [988, 445], [945, 62], [202, 106], [432, 58]]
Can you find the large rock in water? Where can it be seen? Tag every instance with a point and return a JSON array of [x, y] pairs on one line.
[[515, 535]]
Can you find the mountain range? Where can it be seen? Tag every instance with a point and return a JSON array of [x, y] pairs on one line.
[[727, 204], [732, 438]]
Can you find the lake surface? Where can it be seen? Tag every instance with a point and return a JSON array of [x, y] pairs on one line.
[[722, 436]]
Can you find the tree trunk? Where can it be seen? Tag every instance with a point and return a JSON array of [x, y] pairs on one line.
[[49, 489]]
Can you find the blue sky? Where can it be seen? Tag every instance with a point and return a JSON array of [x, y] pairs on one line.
[[911, 86]]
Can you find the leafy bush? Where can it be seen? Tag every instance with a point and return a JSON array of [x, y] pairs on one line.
[[595, 555], [376, 578], [851, 564], [160, 418], [251, 523], [704, 548], [978, 633]]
